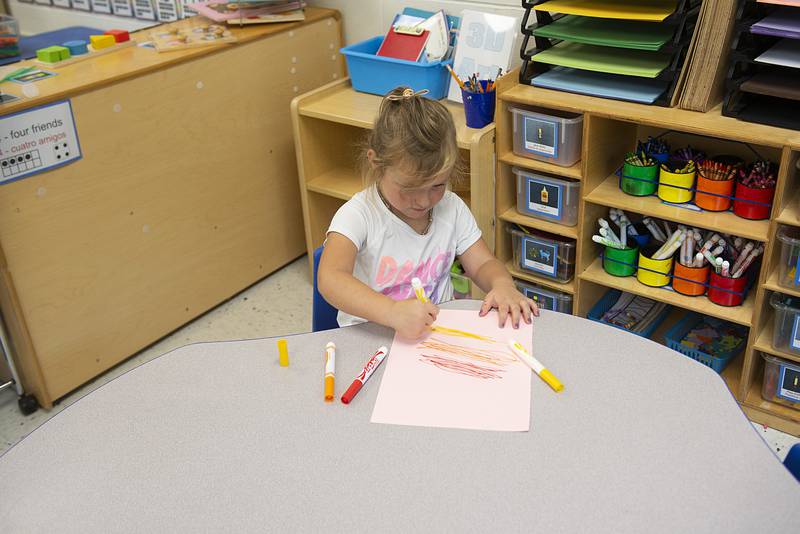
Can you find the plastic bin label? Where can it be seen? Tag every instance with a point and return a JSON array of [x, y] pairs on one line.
[[539, 256], [545, 302], [541, 137], [795, 341], [544, 198], [789, 388]]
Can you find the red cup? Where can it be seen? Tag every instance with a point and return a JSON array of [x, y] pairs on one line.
[[726, 291], [690, 281], [750, 210]]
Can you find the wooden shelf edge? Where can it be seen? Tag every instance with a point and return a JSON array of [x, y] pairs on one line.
[[738, 314], [574, 172], [602, 197], [763, 342], [772, 284], [511, 215], [568, 287]]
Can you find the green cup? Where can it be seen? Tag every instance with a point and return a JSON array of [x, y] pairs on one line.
[[639, 181], [620, 261]]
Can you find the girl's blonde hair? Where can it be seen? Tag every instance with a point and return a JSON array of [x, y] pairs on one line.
[[414, 134]]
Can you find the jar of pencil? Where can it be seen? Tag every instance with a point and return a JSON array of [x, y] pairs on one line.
[[479, 99], [676, 181], [755, 189], [715, 179], [639, 174]]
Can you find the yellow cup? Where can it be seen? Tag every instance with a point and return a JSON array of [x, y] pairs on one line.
[[653, 273], [666, 179]]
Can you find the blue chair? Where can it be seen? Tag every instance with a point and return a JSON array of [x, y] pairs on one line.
[[792, 461], [323, 315]]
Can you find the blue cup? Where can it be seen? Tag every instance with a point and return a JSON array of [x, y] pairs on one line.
[[478, 107]]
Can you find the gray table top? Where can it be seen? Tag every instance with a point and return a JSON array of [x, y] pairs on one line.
[[217, 436]]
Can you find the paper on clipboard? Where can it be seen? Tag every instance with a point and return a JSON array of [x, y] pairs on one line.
[[438, 38]]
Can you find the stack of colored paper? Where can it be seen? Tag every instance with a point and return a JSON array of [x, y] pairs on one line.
[[588, 60], [765, 84]]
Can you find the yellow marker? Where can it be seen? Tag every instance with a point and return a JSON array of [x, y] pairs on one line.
[[102, 41], [520, 352], [419, 290], [330, 365], [283, 353]]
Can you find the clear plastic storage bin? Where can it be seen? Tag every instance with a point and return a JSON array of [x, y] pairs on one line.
[[553, 136], [544, 254], [547, 299], [786, 332], [547, 198], [781, 381], [789, 274]]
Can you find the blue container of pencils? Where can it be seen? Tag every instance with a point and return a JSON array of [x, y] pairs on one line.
[[378, 75], [478, 103]]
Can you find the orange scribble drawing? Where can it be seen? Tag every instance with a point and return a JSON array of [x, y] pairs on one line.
[[463, 368], [490, 356]]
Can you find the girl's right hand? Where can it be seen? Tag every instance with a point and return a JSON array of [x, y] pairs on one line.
[[413, 319]]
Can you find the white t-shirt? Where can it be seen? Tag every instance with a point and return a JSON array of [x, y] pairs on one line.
[[391, 253]]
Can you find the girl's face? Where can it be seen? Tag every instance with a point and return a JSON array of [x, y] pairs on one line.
[[413, 203]]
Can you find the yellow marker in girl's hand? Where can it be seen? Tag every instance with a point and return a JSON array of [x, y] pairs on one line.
[[520, 352], [419, 290]]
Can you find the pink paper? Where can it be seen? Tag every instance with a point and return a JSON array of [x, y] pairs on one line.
[[458, 382]]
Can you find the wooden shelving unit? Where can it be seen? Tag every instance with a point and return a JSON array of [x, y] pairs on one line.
[[610, 129], [329, 125]]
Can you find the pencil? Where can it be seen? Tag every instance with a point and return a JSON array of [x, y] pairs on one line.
[[456, 78]]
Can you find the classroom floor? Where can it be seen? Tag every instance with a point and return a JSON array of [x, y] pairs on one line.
[[251, 314]]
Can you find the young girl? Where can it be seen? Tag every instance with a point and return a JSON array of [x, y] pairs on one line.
[[406, 225]]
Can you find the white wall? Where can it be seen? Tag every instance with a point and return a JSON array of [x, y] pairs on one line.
[[367, 18]]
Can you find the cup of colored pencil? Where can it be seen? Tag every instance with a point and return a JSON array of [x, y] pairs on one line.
[[715, 184], [478, 97], [755, 189]]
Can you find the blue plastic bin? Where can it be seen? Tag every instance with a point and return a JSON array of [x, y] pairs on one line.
[[676, 334], [607, 302], [379, 75]]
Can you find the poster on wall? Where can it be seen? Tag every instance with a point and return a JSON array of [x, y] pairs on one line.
[[37, 140], [485, 44]]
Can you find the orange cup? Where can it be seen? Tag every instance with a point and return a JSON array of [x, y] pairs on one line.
[[690, 281], [719, 200]]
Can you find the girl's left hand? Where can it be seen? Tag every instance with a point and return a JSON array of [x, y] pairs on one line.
[[509, 302]]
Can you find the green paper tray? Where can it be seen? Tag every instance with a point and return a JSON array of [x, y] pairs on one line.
[[639, 63], [607, 32]]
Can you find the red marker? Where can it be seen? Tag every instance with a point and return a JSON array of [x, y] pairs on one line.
[[366, 372]]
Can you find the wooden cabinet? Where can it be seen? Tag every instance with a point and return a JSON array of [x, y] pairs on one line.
[[186, 194], [610, 129]]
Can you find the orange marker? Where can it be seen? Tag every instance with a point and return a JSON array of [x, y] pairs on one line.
[[330, 364]]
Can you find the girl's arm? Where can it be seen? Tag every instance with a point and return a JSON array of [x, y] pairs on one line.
[[493, 278], [410, 318]]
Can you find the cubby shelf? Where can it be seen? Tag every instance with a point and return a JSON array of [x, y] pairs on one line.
[[516, 272], [738, 314], [573, 172], [772, 284], [611, 129], [764, 343], [340, 183], [513, 216], [609, 194]]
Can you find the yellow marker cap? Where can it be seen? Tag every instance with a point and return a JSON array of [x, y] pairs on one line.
[[283, 353], [551, 380]]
